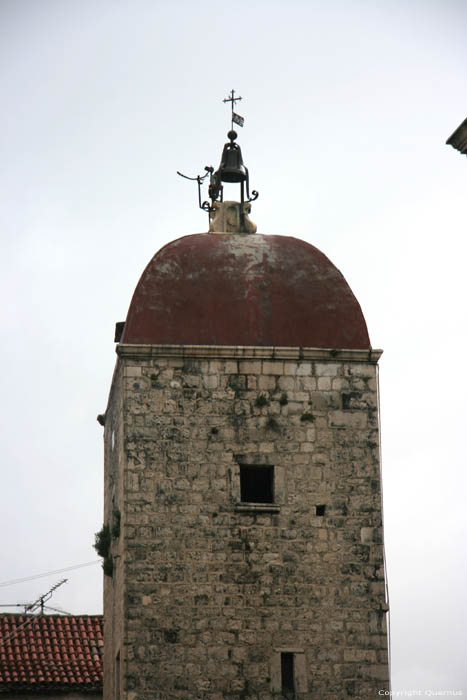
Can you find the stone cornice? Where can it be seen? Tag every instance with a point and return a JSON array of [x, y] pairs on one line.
[[242, 352]]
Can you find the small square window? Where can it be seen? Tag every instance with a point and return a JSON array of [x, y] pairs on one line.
[[257, 484], [320, 510]]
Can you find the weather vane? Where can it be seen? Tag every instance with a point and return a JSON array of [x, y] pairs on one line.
[[231, 168], [236, 118]]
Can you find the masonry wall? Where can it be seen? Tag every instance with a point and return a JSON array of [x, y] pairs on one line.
[[208, 591], [114, 502], [76, 695]]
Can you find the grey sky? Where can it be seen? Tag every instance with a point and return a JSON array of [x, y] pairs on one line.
[[347, 106]]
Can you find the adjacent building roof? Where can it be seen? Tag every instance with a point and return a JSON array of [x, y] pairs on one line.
[[458, 139], [51, 652], [244, 289]]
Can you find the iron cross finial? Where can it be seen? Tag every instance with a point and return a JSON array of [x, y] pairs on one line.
[[235, 117]]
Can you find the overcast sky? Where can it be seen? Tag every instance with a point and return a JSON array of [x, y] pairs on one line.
[[347, 106]]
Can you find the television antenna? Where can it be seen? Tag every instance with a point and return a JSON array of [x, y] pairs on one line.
[[30, 608]]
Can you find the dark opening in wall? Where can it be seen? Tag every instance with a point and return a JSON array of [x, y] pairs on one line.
[[320, 510], [349, 399], [257, 484], [287, 674], [117, 676], [119, 326]]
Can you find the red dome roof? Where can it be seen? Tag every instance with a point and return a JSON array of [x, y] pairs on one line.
[[244, 289]]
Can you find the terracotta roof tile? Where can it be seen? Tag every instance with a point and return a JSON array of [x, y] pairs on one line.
[[51, 652]]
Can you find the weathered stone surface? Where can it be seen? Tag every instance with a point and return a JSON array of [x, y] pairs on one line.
[[205, 593]]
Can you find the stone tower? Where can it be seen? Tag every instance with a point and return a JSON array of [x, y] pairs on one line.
[[242, 478]]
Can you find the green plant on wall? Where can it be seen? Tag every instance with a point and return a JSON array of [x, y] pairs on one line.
[[261, 400], [103, 540], [116, 518], [307, 417], [108, 565]]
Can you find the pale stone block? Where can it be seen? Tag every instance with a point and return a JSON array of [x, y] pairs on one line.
[[301, 458], [132, 371], [377, 671], [211, 381], [299, 396], [250, 367], [266, 447], [286, 383], [304, 369], [321, 546], [383, 656], [360, 655], [160, 362], [290, 368], [301, 674], [378, 589], [231, 367], [132, 483], [266, 383], [252, 382], [306, 447], [320, 458], [324, 383], [327, 369], [176, 362], [227, 433], [249, 447], [298, 434], [347, 419], [340, 383], [360, 370], [273, 368], [307, 383], [294, 407]]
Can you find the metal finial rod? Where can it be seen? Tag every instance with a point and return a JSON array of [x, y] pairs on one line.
[[232, 99]]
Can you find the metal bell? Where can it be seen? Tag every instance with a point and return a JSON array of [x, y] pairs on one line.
[[231, 168]]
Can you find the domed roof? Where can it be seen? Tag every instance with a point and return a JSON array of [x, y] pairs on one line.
[[244, 289]]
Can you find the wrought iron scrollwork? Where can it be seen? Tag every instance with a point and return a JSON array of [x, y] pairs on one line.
[[199, 179]]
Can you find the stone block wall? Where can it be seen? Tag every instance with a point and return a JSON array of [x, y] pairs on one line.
[[51, 695], [209, 591]]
